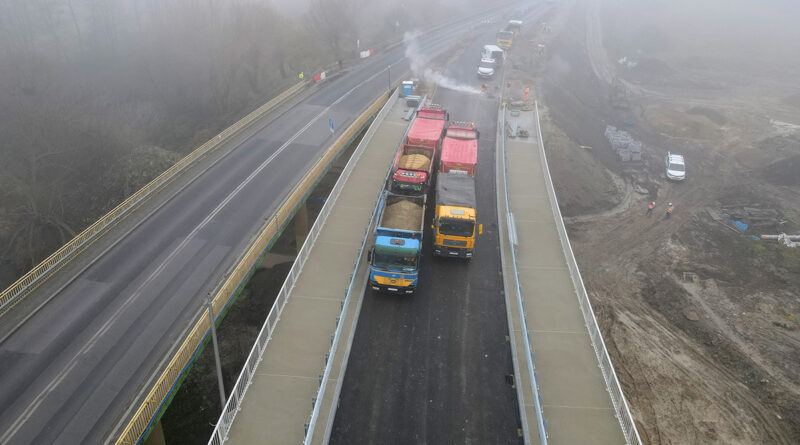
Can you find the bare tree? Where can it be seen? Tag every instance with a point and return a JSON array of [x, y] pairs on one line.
[[334, 21]]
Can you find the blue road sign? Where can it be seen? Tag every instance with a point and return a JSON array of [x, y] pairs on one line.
[[330, 122]]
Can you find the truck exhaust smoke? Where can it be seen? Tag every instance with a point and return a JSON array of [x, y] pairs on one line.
[[418, 63]]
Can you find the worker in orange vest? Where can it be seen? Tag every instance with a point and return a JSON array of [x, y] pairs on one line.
[[670, 209], [650, 208], [527, 91]]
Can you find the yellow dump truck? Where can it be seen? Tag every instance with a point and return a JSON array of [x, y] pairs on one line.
[[455, 220], [505, 38]]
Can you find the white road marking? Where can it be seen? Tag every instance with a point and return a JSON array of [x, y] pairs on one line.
[[36, 402]]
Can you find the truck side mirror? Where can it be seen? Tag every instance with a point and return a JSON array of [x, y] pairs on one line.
[[369, 255], [480, 229]]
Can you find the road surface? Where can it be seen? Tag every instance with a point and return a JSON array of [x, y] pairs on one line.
[[432, 368], [75, 369]]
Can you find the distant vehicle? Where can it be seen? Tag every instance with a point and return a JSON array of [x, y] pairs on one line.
[[675, 167], [505, 38], [514, 26], [486, 68], [493, 52]]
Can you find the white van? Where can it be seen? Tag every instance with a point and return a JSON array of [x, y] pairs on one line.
[[493, 52]]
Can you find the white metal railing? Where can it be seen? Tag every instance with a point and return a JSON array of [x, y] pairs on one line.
[[623, 413], [518, 290], [237, 394], [310, 428]]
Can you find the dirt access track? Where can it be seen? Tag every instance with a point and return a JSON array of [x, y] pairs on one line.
[[701, 318]]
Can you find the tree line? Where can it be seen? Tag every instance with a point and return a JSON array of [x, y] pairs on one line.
[[98, 97]]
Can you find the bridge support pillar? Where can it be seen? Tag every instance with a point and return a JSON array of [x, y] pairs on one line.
[[301, 225], [156, 436]]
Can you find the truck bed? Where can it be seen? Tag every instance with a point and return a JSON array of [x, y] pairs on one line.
[[417, 161], [403, 214], [453, 189]]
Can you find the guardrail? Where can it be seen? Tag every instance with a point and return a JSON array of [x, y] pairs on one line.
[[621, 409], [245, 378], [537, 401], [31, 280], [317, 402], [144, 416]]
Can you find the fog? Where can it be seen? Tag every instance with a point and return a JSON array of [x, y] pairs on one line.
[[755, 37], [420, 69], [98, 97]]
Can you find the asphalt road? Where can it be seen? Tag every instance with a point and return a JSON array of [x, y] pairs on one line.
[[71, 372], [431, 368]]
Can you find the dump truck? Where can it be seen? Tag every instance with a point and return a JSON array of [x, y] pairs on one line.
[[505, 38], [413, 166], [460, 149], [394, 259], [455, 220]]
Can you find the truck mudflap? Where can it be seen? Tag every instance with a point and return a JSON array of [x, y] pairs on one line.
[[452, 252]]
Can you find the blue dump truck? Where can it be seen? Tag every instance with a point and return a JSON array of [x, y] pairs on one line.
[[394, 259]]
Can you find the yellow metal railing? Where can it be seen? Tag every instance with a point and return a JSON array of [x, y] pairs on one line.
[[28, 282], [141, 420]]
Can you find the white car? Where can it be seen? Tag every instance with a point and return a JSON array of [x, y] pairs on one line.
[[676, 167], [486, 68]]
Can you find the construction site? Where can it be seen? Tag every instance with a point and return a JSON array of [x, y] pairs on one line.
[[699, 310]]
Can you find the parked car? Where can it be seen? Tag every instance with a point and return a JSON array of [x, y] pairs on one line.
[[486, 68], [675, 167]]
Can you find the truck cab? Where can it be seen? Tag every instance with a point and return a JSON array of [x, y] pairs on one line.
[[454, 232], [395, 265]]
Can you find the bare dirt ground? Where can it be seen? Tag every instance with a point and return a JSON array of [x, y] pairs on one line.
[[701, 320]]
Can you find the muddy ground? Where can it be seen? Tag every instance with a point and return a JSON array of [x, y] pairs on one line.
[[701, 319]]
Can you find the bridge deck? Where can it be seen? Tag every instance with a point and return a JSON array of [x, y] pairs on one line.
[[575, 402], [278, 402]]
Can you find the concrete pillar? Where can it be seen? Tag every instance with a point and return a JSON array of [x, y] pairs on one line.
[[301, 225], [156, 436]]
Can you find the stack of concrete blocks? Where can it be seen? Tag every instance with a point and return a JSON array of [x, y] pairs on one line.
[[627, 148]]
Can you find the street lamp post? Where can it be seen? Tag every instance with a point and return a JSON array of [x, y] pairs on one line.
[[216, 351]]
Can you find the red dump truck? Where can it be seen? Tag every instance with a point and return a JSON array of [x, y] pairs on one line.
[[413, 166], [460, 149]]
